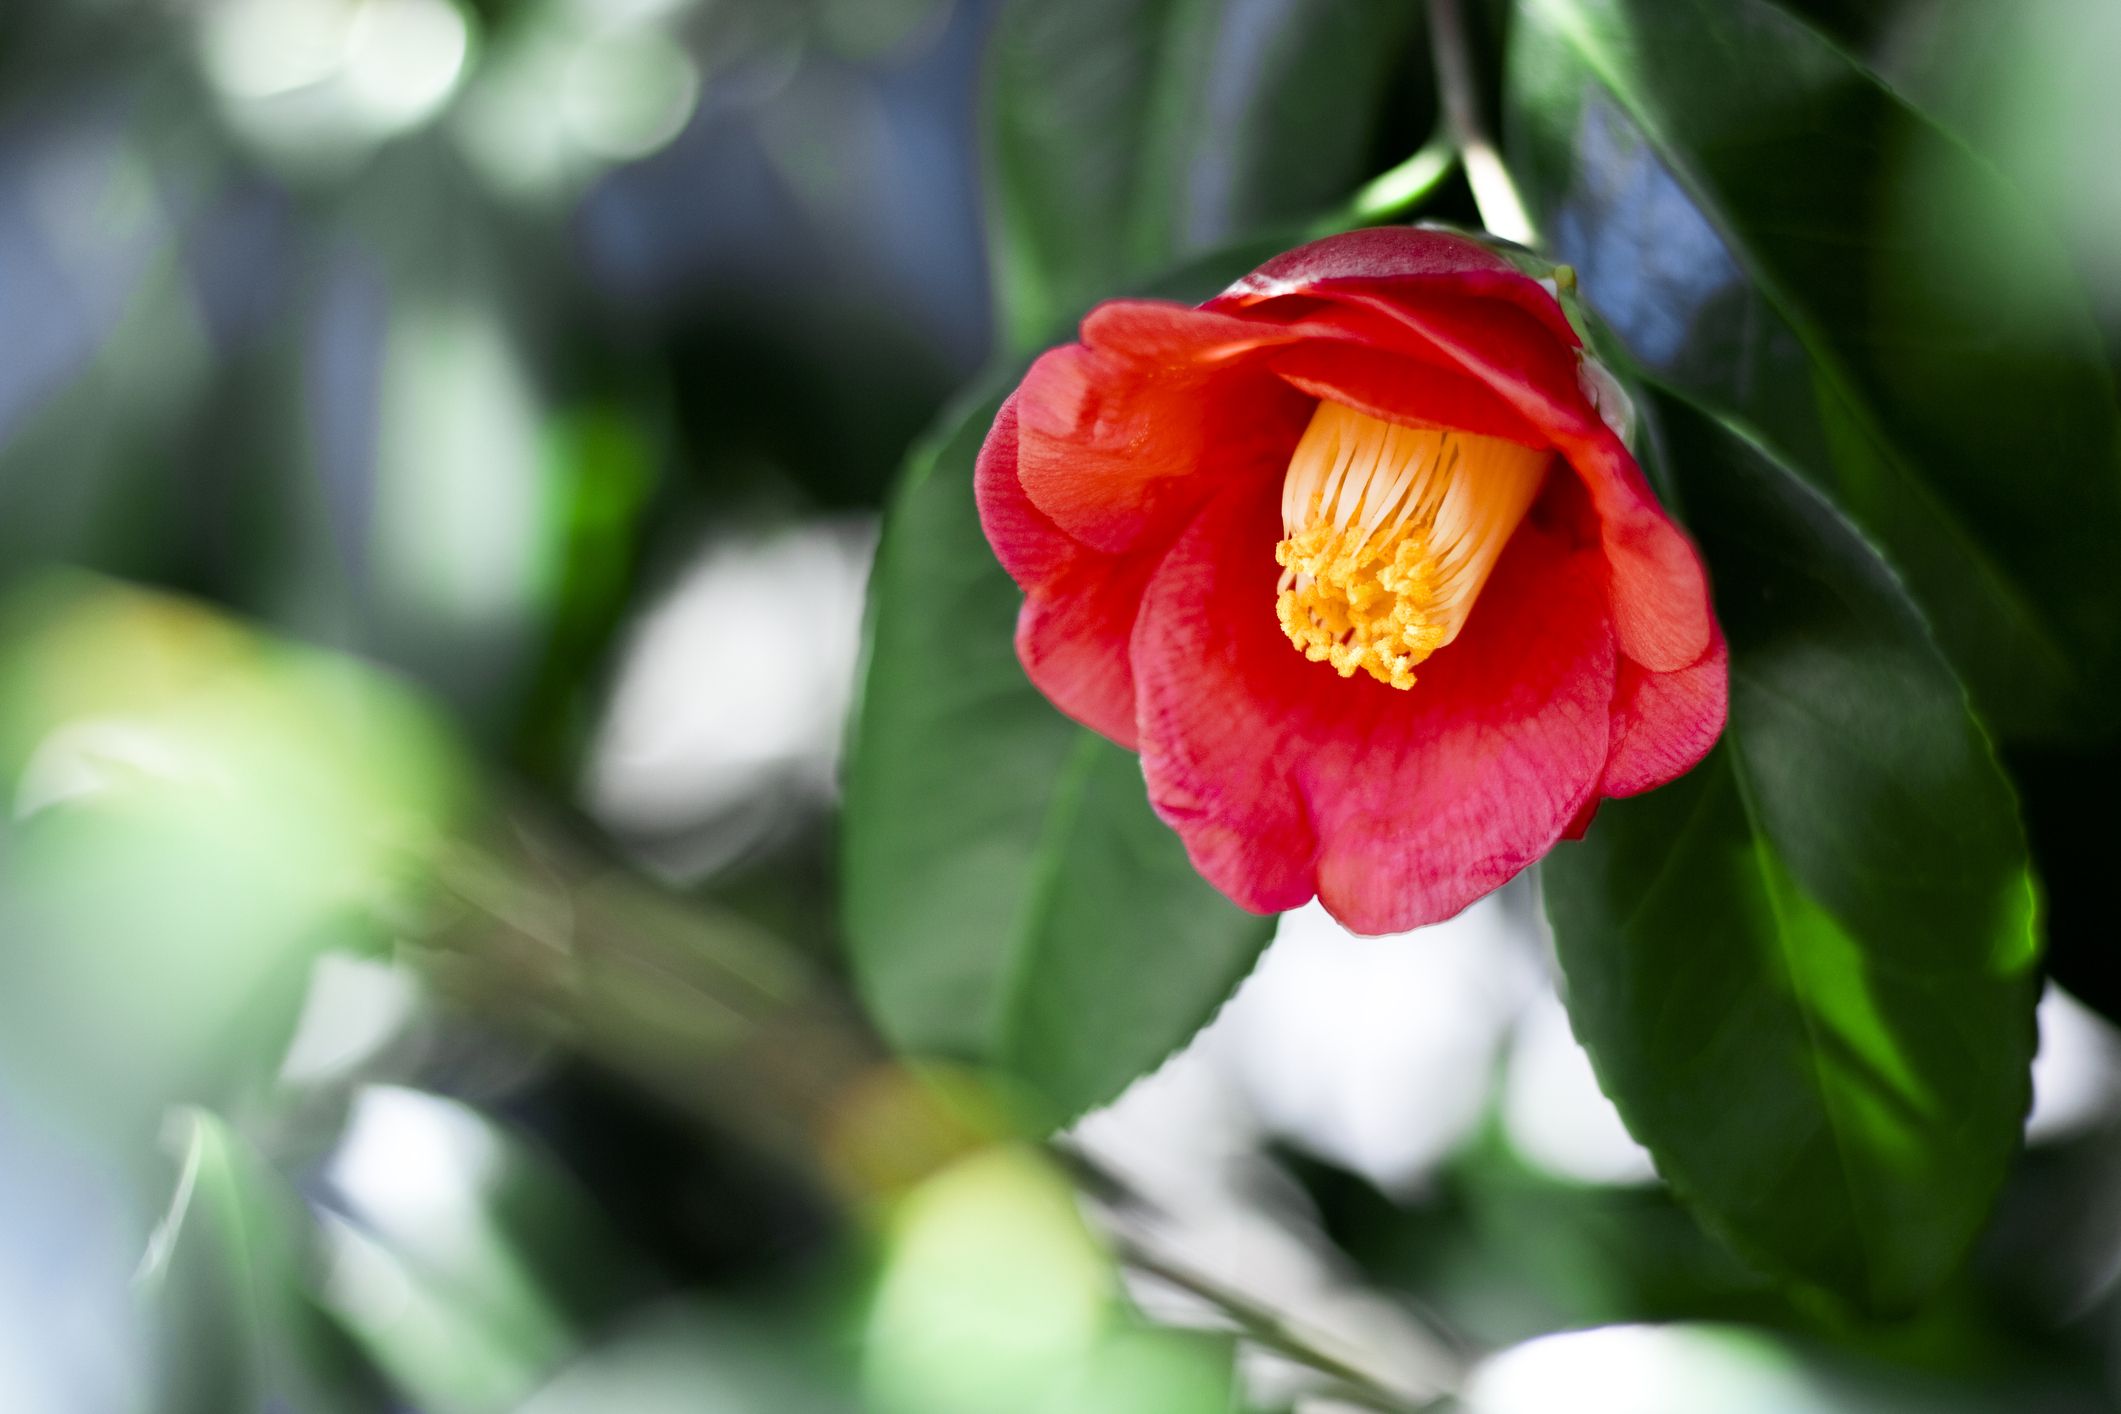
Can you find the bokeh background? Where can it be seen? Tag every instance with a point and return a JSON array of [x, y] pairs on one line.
[[441, 447]]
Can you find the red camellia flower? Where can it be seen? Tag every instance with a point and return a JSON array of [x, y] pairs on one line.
[[1351, 557]]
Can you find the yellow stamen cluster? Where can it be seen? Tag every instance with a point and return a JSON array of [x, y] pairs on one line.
[[1389, 534]]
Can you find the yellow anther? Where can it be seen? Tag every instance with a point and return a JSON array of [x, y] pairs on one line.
[[1389, 534]]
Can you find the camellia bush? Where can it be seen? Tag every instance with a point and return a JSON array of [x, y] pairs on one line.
[[1472, 768], [1707, 536]]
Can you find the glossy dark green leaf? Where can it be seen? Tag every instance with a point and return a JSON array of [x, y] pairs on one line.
[[1124, 134], [1742, 202], [1011, 898], [1861, 25], [952, 763], [1806, 970], [1126, 941]]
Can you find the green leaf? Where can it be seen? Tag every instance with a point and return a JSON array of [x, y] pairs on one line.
[[1806, 970], [1859, 25], [1011, 898], [1128, 951], [1742, 202], [1124, 134], [951, 766]]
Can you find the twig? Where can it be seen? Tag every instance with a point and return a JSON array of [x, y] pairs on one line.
[[1267, 1329], [1254, 1320], [534, 925], [1501, 209]]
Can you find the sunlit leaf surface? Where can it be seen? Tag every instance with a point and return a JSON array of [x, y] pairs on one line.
[[1806, 970]]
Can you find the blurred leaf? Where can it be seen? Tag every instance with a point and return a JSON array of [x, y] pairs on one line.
[[100, 394], [196, 813], [2030, 86], [468, 522], [1503, 1252], [602, 463], [225, 1277], [1805, 971], [465, 1262], [1860, 25], [423, 473], [696, 1358], [1143, 1370], [995, 1295], [1010, 896], [1733, 190], [992, 1288], [1126, 133]]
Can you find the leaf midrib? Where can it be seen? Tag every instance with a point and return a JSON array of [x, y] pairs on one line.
[[1815, 1052], [1048, 876]]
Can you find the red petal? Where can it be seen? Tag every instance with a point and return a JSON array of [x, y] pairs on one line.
[[1506, 330], [1124, 434], [1399, 389], [1385, 255], [1659, 591], [1079, 605], [1396, 808], [1663, 723]]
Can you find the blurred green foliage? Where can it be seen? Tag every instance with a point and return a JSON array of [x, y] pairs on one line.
[[378, 373]]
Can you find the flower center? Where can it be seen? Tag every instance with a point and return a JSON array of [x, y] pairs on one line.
[[1389, 534]]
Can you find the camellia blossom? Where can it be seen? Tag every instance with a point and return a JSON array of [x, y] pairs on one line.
[[1352, 556]]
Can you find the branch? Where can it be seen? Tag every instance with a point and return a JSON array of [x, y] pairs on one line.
[[1253, 1319], [1267, 1329], [1501, 209]]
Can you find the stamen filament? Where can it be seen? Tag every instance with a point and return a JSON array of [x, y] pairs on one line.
[[1390, 532]]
